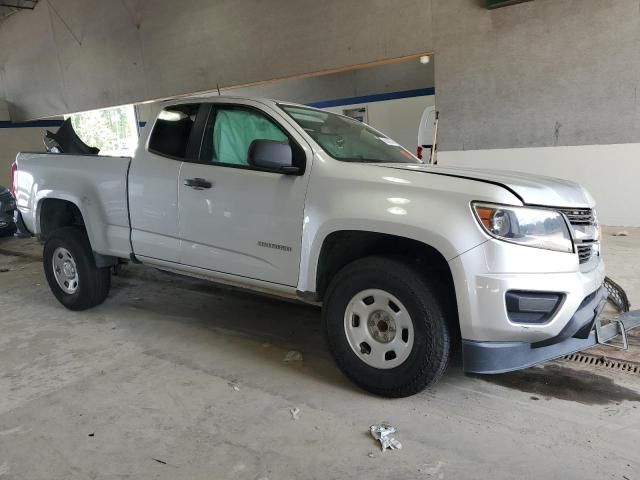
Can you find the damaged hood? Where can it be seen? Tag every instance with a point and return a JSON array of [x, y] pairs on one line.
[[532, 189]]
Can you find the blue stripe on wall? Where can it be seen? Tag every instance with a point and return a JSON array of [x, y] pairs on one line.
[[34, 124], [379, 97]]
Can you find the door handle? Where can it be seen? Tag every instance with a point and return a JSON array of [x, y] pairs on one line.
[[198, 183]]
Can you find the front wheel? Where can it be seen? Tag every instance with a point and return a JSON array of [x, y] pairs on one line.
[[386, 328], [71, 271]]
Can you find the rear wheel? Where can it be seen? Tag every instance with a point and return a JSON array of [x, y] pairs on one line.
[[71, 270], [386, 328]]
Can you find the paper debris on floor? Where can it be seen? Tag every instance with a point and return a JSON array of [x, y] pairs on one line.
[[293, 356], [384, 434], [622, 233], [434, 470]]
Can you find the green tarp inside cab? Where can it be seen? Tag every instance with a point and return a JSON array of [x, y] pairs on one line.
[[234, 131]]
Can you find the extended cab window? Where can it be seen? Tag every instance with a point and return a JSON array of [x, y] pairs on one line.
[[172, 130], [347, 139], [231, 131]]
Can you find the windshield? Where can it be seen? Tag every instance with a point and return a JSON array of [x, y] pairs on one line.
[[347, 139]]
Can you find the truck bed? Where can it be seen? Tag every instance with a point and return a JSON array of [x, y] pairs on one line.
[[96, 184]]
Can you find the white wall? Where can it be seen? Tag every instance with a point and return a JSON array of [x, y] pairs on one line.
[[399, 119], [609, 172], [14, 140]]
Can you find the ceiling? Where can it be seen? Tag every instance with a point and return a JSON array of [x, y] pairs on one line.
[[9, 7]]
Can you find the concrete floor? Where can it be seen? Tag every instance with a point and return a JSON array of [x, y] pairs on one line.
[[143, 387]]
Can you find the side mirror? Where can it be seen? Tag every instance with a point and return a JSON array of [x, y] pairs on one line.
[[272, 155]]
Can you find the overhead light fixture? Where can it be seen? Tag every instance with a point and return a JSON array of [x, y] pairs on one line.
[[424, 59]]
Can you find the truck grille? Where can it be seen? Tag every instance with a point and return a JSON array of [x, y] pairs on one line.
[[585, 252], [580, 218]]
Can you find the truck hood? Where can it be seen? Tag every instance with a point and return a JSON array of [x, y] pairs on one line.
[[531, 189]]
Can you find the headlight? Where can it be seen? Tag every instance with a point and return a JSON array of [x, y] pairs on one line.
[[532, 227]]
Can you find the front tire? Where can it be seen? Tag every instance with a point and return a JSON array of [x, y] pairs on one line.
[[386, 328], [71, 271]]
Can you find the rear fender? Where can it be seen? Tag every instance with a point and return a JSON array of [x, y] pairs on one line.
[[92, 216]]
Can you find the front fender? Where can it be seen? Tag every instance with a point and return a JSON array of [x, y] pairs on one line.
[[432, 209], [312, 247]]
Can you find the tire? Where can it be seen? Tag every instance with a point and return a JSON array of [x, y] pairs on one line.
[[92, 284], [419, 361]]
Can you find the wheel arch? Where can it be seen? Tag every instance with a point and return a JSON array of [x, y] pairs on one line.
[[343, 247], [54, 213], [56, 209]]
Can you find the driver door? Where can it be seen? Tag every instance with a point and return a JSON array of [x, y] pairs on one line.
[[233, 218]]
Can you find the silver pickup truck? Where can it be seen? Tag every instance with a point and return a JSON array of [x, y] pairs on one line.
[[406, 259]]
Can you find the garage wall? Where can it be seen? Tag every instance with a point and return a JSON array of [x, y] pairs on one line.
[[68, 56], [390, 78], [395, 95], [547, 87], [14, 140], [18, 137], [541, 73]]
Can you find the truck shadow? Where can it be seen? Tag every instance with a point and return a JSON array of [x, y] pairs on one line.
[[555, 381], [254, 325], [297, 326]]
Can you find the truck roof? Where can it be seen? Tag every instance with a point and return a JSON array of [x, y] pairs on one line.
[[214, 98]]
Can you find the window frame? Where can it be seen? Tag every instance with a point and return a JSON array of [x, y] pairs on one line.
[[196, 130], [283, 106], [299, 154]]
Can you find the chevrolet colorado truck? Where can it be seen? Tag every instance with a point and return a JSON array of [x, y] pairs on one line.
[[406, 259]]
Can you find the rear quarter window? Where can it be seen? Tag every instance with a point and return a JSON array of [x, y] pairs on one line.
[[172, 130]]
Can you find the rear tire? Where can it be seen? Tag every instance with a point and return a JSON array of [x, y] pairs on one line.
[[71, 271], [386, 328]]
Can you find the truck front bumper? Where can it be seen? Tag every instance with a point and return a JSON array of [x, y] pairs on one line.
[[484, 275], [583, 331], [496, 338]]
